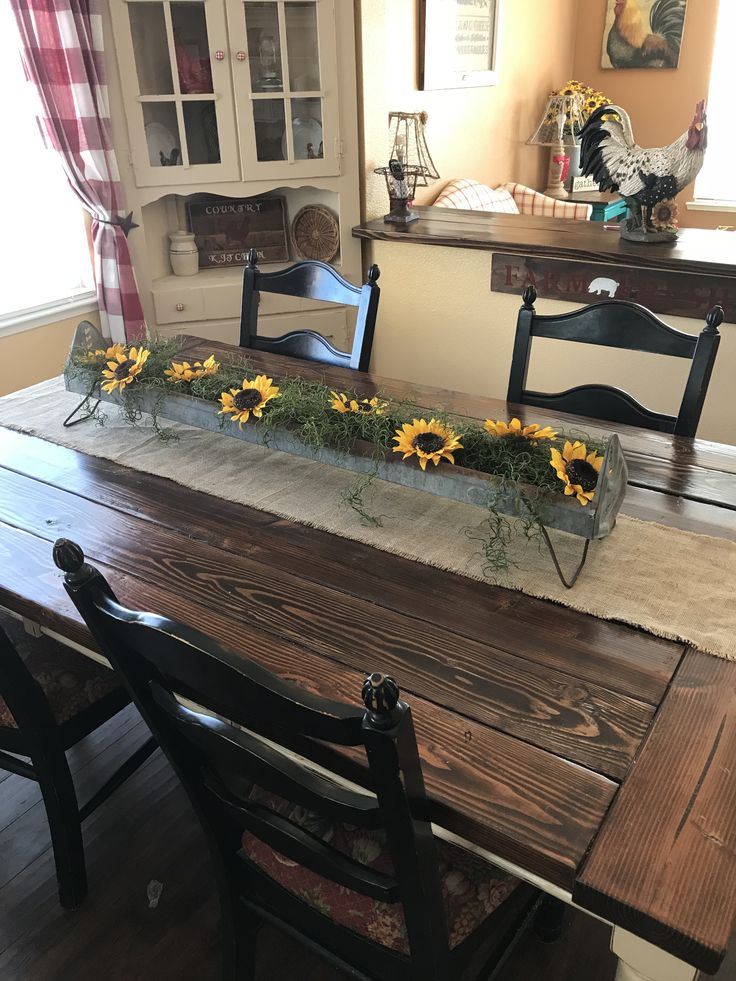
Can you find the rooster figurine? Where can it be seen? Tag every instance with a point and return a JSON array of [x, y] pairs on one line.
[[647, 180], [634, 43]]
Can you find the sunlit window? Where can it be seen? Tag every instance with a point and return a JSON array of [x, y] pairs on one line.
[[44, 255], [716, 180]]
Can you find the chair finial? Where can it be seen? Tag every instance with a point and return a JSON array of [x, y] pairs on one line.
[[529, 296], [68, 556], [380, 694], [252, 258], [714, 319], [374, 274]]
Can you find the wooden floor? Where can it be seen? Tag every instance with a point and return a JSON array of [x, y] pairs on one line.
[[147, 832]]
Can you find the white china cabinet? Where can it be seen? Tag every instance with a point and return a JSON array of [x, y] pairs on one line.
[[236, 98]]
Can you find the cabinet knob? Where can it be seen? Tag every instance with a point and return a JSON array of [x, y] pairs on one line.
[[241, 55], [219, 55], [180, 307]]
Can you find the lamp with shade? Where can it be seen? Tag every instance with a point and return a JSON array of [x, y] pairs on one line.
[[559, 129], [410, 164]]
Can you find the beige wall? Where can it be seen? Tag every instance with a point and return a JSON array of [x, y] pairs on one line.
[[660, 102], [477, 133], [439, 324], [34, 355]]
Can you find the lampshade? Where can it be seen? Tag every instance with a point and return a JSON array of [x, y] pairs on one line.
[[409, 146], [561, 123]]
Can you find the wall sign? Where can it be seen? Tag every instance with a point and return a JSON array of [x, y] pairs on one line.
[[458, 43], [677, 294], [225, 229]]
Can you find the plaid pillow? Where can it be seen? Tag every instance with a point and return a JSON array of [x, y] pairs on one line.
[[474, 196], [531, 202]]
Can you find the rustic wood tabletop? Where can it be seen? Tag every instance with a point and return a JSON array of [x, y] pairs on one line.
[[587, 754]]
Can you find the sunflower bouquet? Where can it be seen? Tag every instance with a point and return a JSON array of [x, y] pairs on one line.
[[588, 99]]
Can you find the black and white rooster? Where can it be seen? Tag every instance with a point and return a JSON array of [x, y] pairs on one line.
[[644, 178]]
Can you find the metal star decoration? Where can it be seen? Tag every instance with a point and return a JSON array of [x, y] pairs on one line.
[[125, 223]]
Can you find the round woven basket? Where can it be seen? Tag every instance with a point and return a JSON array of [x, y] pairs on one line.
[[316, 233]]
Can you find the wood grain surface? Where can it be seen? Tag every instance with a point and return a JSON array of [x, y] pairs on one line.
[[695, 251], [530, 715]]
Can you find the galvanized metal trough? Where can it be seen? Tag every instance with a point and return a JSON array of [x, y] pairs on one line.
[[556, 511]]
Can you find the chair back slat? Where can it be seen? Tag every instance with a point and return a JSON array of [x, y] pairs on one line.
[[233, 751], [311, 280], [232, 776], [627, 326], [602, 402], [618, 324]]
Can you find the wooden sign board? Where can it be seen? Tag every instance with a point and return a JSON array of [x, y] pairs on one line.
[[677, 294], [225, 229]]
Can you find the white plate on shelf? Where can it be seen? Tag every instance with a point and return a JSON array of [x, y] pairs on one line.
[[160, 139], [306, 130]]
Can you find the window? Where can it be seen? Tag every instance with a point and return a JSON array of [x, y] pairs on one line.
[[715, 184], [44, 255]]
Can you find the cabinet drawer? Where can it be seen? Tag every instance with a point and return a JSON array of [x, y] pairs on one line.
[[166, 304], [223, 302]]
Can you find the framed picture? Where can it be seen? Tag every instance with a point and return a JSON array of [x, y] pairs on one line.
[[225, 229], [458, 43], [643, 33]]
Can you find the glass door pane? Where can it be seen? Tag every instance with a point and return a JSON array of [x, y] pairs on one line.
[[286, 86], [192, 48], [303, 46], [150, 45], [179, 97], [264, 47]]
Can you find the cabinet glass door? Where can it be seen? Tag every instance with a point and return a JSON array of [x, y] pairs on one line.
[[178, 90], [285, 79]]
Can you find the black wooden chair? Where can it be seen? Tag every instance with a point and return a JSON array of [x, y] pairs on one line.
[[352, 871], [315, 281], [619, 324], [51, 697]]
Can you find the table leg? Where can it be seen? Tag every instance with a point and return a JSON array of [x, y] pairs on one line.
[[642, 961]]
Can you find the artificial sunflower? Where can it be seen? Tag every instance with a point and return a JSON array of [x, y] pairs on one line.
[[123, 368], [341, 403], [239, 403], [515, 428], [182, 371], [577, 469], [664, 215], [107, 354], [427, 440]]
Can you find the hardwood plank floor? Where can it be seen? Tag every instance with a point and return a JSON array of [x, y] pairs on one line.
[[147, 831]]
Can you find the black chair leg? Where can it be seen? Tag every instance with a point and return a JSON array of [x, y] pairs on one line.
[[548, 919], [62, 811], [239, 935]]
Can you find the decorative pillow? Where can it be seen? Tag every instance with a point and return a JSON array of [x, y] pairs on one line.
[[471, 888], [473, 196]]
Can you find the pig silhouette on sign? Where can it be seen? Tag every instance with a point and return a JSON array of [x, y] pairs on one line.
[[602, 285]]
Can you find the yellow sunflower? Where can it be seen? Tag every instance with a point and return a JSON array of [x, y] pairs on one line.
[[239, 403], [182, 371], [428, 440], [665, 215], [107, 354], [123, 368], [515, 428], [341, 403], [577, 469]]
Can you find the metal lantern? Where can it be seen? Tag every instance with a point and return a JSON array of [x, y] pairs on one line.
[[410, 164], [401, 183]]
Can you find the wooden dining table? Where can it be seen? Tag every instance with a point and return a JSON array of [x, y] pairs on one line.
[[592, 759]]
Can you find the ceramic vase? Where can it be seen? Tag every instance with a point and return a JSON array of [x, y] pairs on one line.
[[184, 254]]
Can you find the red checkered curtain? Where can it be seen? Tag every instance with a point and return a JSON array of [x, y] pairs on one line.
[[62, 51]]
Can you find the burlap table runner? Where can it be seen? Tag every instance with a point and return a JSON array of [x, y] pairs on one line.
[[672, 583]]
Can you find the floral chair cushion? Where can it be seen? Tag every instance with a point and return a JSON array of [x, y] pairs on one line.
[[471, 888], [70, 681]]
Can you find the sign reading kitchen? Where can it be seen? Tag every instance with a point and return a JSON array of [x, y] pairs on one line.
[[226, 229]]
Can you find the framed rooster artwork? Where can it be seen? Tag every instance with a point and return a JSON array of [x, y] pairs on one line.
[[643, 33]]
